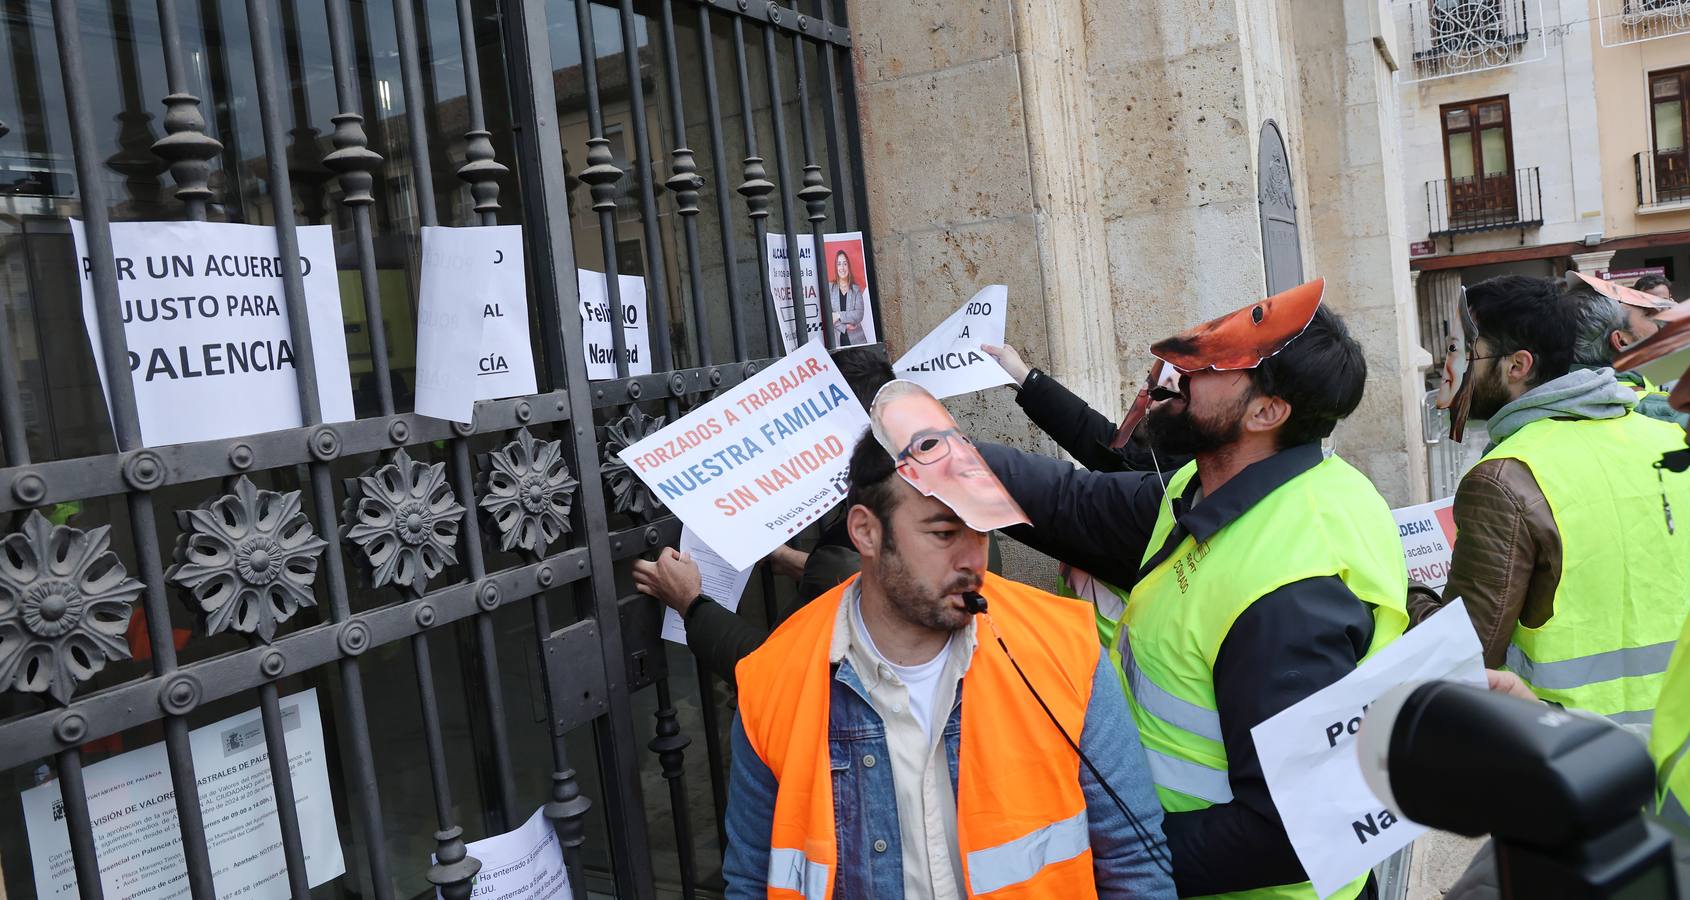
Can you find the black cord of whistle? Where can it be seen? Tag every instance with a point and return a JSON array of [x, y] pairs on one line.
[[976, 604]]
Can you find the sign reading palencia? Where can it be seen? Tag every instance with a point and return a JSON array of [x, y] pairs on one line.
[[206, 323]]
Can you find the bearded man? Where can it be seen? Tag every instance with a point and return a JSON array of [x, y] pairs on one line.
[[1264, 571]]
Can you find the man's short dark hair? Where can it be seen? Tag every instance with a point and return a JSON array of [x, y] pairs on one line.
[[1522, 312], [865, 369], [1650, 282], [1321, 373], [873, 477]]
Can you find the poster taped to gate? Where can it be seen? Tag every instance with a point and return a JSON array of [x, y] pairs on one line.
[[132, 806], [597, 342], [206, 322], [844, 288], [1428, 540], [524, 864], [762, 460]]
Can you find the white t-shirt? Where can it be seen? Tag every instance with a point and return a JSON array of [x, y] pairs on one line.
[[921, 679]]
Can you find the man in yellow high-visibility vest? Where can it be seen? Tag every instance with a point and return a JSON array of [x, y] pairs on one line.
[[1263, 572], [1569, 558]]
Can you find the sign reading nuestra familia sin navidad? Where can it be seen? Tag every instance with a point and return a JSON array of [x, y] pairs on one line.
[[205, 319]]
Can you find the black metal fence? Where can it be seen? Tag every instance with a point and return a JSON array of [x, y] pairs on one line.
[[517, 671], [1484, 203]]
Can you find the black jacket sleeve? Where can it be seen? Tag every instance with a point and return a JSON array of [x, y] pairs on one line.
[[1096, 521], [1070, 421], [1287, 645], [720, 638]]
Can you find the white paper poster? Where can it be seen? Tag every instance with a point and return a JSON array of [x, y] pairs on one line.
[[206, 322], [451, 323], [505, 367], [844, 288], [1428, 540], [525, 864], [131, 802], [949, 361], [720, 581], [760, 461], [1338, 827], [596, 337]]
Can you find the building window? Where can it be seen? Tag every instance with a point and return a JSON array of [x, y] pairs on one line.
[[1667, 127], [1479, 158]]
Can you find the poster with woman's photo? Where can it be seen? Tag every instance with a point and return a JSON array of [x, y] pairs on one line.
[[844, 289]]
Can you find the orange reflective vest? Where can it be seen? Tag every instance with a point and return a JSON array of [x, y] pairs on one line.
[[1021, 815]]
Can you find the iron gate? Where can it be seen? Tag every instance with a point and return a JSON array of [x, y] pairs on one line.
[[509, 667]]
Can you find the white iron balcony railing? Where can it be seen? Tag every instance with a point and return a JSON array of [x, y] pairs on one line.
[[1456, 37], [1630, 21]]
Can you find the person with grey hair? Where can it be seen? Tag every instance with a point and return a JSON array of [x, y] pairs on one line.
[[1605, 327]]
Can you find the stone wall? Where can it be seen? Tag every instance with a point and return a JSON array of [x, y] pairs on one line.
[[1101, 162]]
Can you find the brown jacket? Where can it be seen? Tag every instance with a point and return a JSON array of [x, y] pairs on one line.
[[1507, 560]]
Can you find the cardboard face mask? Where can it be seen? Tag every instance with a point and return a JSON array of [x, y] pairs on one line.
[[1238, 340], [1619, 293], [937, 458], [1455, 393]]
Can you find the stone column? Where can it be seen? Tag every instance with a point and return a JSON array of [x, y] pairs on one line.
[[1357, 229], [1593, 263]]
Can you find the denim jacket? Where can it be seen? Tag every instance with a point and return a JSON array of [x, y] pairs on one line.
[[865, 806]]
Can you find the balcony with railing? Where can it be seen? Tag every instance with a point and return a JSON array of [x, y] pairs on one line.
[[1455, 37], [1630, 21], [1663, 180], [1491, 202]]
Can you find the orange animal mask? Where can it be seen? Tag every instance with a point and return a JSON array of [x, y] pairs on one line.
[[1237, 340], [1619, 293]]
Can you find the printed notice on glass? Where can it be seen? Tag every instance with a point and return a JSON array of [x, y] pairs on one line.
[[206, 322], [131, 803], [597, 342], [718, 580], [525, 864]]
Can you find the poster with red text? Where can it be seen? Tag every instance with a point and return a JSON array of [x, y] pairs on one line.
[[1428, 540], [843, 288]]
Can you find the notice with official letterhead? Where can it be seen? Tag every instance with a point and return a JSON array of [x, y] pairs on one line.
[[1337, 825], [762, 460], [525, 864], [949, 361], [1428, 540], [843, 287], [132, 805], [597, 342], [206, 322]]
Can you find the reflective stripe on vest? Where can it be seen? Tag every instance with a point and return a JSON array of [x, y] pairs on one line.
[[1187, 777], [1571, 674], [1621, 597], [791, 870], [1669, 739], [1162, 704], [996, 868]]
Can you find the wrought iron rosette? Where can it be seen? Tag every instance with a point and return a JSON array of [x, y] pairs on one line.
[[528, 492], [404, 520], [65, 604], [248, 559], [628, 494]]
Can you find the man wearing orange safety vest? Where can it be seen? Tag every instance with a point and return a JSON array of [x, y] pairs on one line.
[[890, 742]]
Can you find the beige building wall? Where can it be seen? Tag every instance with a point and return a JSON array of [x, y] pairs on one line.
[[1103, 165], [1623, 127]]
